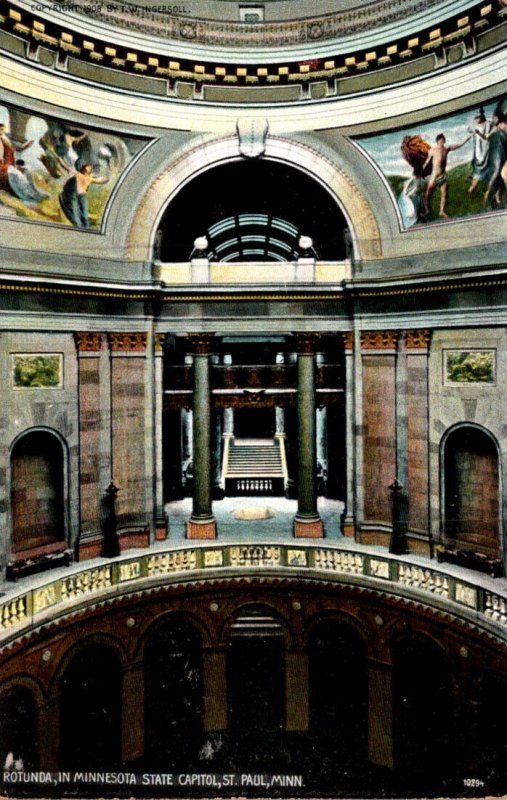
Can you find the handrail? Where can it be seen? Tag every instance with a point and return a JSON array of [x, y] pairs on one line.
[[480, 600]]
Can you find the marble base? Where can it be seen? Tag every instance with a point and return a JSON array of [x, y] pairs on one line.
[[202, 530], [308, 529]]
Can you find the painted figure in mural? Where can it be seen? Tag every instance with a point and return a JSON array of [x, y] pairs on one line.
[[480, 161], [411, 199], [497, 159], [438, 179], [73, 200], [22, 184], [8, 155], [415, 151]]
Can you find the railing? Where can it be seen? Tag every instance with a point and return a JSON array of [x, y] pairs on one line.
[[254, 486], [474, 600]]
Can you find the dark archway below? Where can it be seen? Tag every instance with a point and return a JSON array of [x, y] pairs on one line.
[[263, 188]]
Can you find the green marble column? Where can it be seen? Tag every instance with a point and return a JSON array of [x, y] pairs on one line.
[[202, 524], [307, 522]]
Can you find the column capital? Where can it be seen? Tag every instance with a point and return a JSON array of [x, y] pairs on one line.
[[306, 343], [201, 344], [88, 342], [348, 340], [418, 339], [128, 342], [159, 343], [379, 340]]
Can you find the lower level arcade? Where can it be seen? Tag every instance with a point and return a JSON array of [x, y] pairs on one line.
[[341, 689]]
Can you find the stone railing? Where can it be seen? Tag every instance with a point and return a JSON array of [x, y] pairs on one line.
[[476, 600]]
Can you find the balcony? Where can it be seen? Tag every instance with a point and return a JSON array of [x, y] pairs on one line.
[[272, 273]]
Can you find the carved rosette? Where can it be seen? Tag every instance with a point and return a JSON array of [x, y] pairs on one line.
[[417, 339], [128, 342], [379, 340], [201, 344], [88, 342]]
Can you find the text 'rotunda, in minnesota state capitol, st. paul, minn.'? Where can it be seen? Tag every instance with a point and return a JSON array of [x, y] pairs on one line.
[[253, 441]]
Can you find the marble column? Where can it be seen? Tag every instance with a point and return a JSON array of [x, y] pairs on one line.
[[161, 530], [349, 520], [202, 524], [307, 522]]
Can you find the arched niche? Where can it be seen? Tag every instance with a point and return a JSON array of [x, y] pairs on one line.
[[37, 491], [349, 199], [471, 490]]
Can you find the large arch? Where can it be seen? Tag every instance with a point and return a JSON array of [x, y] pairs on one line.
[[362, 223]]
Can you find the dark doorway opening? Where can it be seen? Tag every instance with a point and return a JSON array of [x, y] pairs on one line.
[[254, 423], [91, 711], [173, 697]]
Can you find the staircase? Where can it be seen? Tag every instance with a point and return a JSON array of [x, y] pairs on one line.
[[254, 467]]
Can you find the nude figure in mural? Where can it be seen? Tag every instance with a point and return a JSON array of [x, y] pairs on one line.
[[438, 178], [73, 200]]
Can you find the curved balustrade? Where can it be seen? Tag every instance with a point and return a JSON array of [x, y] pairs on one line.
[[474, 598]]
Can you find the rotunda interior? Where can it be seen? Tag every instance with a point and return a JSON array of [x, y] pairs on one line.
[[253, 451]]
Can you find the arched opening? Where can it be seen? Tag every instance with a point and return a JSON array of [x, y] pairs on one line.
[[37, 491], [423, 714], [18, 730], [338, 693], [256, 688], [173, 696], [91, 710], [487, 757], [472, 491], [252, 211]]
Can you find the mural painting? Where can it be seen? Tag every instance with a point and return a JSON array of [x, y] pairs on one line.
[[449, 167], [53, 171]]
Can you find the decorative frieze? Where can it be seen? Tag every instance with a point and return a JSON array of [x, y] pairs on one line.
[[417, 339], [128, 342], [159, 343], [466, 595], [45, 597], [87, 342], [379, 340]]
